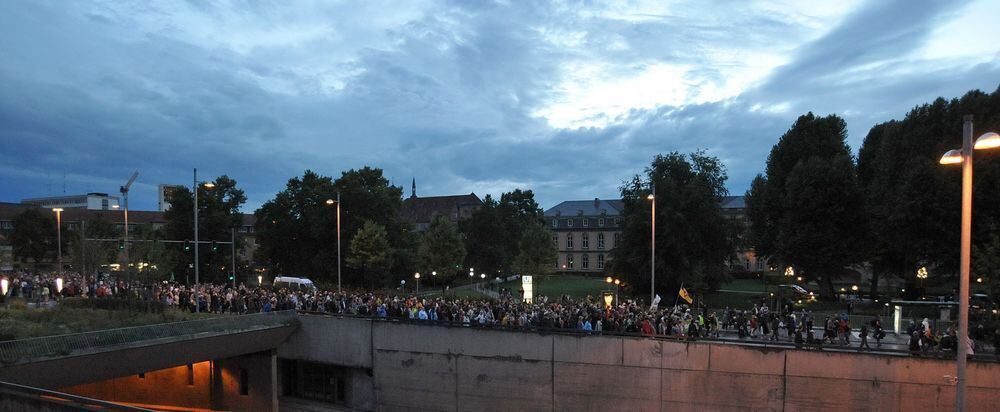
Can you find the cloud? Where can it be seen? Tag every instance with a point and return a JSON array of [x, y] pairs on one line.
[[564, 98]]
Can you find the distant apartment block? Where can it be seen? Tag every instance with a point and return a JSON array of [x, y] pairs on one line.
[[89, 201]]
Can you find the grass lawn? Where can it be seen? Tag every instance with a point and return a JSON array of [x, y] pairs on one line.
[[555, 285], [18, 322]]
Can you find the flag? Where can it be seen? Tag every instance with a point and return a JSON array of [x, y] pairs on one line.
[[656, 302], [683, 293]]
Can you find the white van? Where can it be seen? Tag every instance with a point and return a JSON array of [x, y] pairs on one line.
[[293, 283]]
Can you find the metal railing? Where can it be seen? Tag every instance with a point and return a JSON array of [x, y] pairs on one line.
[[24, 397], [14, 351], [762, 343]]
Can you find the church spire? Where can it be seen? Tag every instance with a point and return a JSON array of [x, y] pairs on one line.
[[413, 188]]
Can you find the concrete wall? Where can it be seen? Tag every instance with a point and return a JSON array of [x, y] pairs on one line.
[[216, 385], [438, 368]]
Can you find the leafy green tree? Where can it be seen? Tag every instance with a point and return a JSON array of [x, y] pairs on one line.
[[152, 260], [693, 240], [369, 255], [442, 249], [34, 235], [986, 260], [494, 231], [808, 210], [218, 214], [90, 255], [297, 230], [537, 255]]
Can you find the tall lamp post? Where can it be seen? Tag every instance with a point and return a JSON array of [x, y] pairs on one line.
[[964, 156], [652, 253], [208, 185], [330, 202], [58, 211]]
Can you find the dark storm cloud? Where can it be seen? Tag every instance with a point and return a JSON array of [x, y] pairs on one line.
[[449, 93]]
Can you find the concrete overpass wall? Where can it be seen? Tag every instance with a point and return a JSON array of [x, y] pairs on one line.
[[418, 367]]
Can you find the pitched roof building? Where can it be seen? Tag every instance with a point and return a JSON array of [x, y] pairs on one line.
[[584, 232], [423, 210]]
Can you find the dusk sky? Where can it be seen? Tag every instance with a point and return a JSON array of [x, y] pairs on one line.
[[566, 99]]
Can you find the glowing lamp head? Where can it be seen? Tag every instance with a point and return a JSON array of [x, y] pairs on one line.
[[651, 197], [988, 141], [330, 201], [951, 157], [209, 185], [416, 275], [618, 282], [57, 209], [609, 279]]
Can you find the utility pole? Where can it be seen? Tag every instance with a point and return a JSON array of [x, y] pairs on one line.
[[197, 306]]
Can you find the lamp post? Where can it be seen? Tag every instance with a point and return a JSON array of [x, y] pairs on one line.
[[330, 202], [986, 141], [417, 277], [922, 274], [208, 185], [652, 253], [58, 211]]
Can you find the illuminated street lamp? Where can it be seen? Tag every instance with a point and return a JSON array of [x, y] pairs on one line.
[[617, 282], [854, 288], [922, 274], [195, 186], [260, 280], [964, 157], [330, 202], [58, 211], [417, 277]]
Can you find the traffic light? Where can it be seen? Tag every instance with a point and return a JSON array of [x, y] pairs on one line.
[[215, 247], [187, 246], [232, 277], [121, 245]]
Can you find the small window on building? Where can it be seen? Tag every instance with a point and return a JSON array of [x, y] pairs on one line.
[[555, 222], [617, 238], [244, 382], [569, 261], [586, 222], [555, 241], [600, 261], [569, 222], [585, 240], [585, 261], [600, 240], [600, 222], [618, 221], [569, 241]]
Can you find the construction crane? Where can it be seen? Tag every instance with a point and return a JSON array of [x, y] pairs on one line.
[[124, 191]]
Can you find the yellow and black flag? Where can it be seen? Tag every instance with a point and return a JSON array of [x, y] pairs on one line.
[[683, 293]]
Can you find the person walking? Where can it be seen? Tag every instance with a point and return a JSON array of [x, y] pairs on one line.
[[863, 335]]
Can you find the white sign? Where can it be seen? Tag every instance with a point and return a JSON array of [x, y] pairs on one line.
[[528, 289]]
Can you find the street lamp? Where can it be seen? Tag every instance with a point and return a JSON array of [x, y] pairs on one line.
[[417, 277], [260, 280], [331, 202], [59, 211], [652, 252], [922, 274], [986, 141], [195, 186]]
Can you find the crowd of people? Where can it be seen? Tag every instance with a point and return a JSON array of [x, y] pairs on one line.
[[587, 315]]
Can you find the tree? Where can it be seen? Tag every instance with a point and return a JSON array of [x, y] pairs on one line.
[[34, 235], [986, 261], [369, 255], [151, 259], [537, 255], [218, 214], [913, 202], [693, 240], [88, 255], [807, 210], [297, 230], [494, 231], [442, 249]]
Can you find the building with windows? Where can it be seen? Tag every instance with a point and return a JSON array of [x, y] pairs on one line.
[[164, 194], [90, 201], [585, 232], [74, 219], [734, 208], [423, 210]]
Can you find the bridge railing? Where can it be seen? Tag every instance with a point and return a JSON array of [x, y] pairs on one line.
[[13, 351], [28, 398], [782, 343]]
